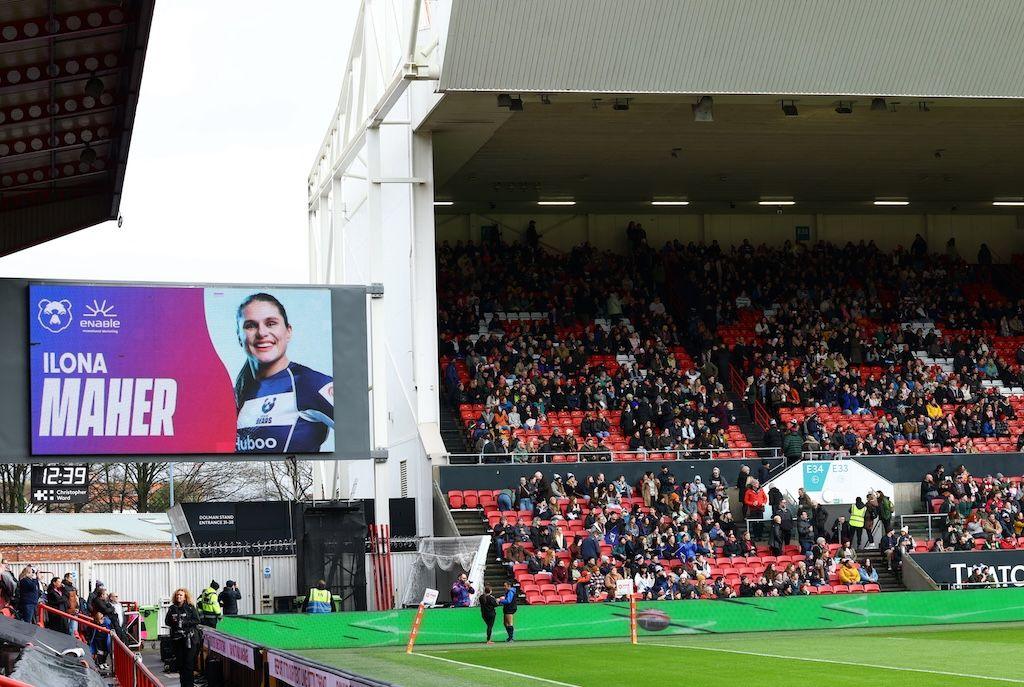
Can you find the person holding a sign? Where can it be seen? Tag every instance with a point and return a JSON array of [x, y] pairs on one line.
[[508, 602], [488, 611]]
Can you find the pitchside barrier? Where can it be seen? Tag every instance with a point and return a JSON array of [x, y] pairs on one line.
[[610, 620]]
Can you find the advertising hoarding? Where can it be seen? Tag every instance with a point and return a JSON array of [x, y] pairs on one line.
[[116, 371], [954, 567], [152, 369]]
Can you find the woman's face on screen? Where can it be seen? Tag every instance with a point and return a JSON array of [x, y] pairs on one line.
[[265, 336]]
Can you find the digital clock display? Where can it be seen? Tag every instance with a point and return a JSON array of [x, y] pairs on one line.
[[60, 484], [65, 475]]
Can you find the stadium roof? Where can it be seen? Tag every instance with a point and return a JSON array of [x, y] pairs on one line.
[[27, 529], [70, 72], [921, 48]]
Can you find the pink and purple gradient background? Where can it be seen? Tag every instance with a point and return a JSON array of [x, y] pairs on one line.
[[162, 334]]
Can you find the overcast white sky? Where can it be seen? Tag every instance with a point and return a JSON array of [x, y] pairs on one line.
[[236, 98]]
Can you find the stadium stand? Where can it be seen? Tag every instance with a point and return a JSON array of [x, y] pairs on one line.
[[568, 542], [545, 357], [863, 352], [600, 356]]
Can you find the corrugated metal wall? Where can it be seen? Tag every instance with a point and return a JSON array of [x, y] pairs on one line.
[[401, 571], [151, 582], [48, 569], [926, 48]]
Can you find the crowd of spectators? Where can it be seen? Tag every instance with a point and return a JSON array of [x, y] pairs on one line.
[[981, 512], [23, 596], [806, 326], [838, 328], [675, 539], [604, 345]]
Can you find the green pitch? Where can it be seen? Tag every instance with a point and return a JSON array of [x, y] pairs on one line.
[[935, 656]]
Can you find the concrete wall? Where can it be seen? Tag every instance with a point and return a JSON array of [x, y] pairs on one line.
[[1003, 233]]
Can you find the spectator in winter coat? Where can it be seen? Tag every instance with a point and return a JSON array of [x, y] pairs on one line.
[[28, 593], [229, 598], [755, 499], [55, 598]]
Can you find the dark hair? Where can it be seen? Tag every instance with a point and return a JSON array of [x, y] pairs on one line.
[[487, 589], [245, 381]]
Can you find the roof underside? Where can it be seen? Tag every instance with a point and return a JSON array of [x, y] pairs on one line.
[[70, 72], [938, 153], [921, 48]]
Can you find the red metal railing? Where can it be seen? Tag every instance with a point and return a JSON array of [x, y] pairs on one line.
[[128, 667], [761, 416], [380, 551], [736, 381]]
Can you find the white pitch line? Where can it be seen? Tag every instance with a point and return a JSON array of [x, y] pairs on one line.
[[841, 663], [496, 670]]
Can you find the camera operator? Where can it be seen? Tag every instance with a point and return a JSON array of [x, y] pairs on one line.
[[183, 620]]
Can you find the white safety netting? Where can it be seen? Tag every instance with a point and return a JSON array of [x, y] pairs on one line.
[[439, 560]]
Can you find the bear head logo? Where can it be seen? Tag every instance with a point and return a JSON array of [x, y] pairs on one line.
[[55, 316]]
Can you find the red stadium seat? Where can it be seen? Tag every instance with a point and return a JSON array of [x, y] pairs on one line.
[[872, 587], [456, 499], [472, 499]]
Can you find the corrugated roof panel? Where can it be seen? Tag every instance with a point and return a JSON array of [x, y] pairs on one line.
[[922, 48], [83, 528]]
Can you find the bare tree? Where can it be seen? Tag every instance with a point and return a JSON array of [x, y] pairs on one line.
[[289, 480], [13, 486]]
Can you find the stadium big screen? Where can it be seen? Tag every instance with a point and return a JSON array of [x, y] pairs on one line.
[[168, 370]]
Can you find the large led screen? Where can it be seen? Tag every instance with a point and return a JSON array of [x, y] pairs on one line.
[[180, 370]]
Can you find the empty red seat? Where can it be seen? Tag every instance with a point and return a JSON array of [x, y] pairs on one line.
[[456, 499], [872, 587], [472, 498]]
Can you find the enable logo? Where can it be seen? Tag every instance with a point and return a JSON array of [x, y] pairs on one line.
[[100, 318]]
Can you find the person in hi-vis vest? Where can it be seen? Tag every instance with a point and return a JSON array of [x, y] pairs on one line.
[[857, 512], [319, 599], [209, 607]]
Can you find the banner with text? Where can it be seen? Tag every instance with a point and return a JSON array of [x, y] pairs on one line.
[[954, 567], [830, 481]]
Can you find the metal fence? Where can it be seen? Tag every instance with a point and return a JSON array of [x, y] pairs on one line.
[[612, 456]]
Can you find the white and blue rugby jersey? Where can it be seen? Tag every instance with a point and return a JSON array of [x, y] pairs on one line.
[[291, 411]]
